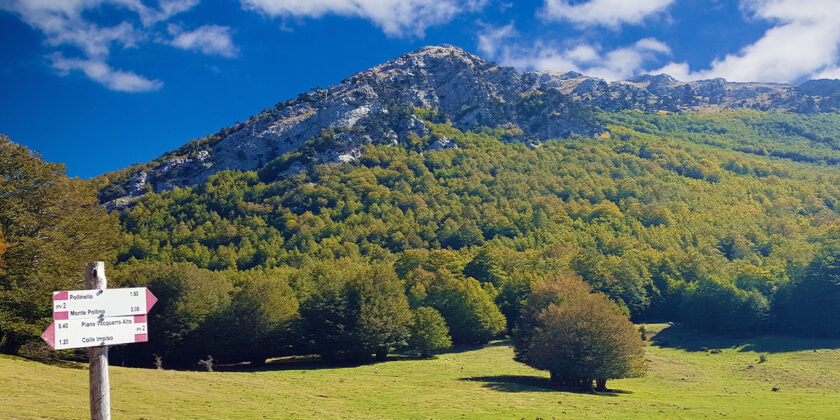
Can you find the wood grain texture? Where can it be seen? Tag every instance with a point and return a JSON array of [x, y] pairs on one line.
[[100, 387]]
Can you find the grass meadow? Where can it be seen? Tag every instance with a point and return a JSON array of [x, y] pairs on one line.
[[688, 378]]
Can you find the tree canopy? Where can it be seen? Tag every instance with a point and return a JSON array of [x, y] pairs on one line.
[[51, 226], [667, 214], [577, 336]]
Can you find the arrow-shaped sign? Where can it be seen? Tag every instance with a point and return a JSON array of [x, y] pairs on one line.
[[81, 304], [70, 334], [104, 317]]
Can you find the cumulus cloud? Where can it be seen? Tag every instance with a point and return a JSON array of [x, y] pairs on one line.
[[99, 71], [394, 17], [165, 10], [61, 23], [610, 13], [802, 44], [208, 39], [492, 38], [66, 28], [616, 64]]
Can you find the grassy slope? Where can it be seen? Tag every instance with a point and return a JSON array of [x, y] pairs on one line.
[[490, 385]]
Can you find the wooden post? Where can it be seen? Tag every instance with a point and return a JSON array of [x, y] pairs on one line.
[[100, 387]]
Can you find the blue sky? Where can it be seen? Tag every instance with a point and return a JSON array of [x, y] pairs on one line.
[[102, 84]]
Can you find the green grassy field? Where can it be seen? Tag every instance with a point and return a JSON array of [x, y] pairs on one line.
[[685, 381]]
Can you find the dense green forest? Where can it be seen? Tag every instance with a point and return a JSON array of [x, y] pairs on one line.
[[726, 222]]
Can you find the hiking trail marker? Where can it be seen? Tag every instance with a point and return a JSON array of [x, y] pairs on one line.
[[103, 317], [97, 318]]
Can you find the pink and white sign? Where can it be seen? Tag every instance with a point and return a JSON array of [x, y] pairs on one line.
[[106, 317], [80, 304], [92, 332]]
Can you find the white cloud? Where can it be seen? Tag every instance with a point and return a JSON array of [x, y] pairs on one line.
[[394, 17], [101, 72], [610, 13], [61, 23], [616, 64], [165, 10], [208, 39], [64, 24], [492, 38], [803, 44], [829, 73]]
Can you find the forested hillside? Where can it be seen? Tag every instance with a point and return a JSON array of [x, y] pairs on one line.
[[728, 222]]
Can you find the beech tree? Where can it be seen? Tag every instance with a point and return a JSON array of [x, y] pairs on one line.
[[52, 226], [262, 318], [354, 310], [192, 302], [469, 310], [810, 303], [428, 331], [576, 335]]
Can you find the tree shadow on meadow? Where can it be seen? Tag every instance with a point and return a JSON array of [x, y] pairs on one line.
[[524, 383], [310, 362], [464, 348], [680, 337], [314, 362]]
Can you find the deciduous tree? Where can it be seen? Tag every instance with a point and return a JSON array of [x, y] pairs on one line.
[[52, 226], [428, 331], [578, 336]]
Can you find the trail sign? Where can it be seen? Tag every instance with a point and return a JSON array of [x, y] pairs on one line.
[[97, 318], [82, 304], [89, 332]]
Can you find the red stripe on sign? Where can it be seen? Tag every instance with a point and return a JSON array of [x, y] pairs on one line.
[[49, 335], [60, 296], [60, 316], [139, 318], [150, 300], [140, 338]]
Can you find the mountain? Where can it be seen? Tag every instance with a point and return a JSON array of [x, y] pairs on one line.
[[375, 107], [465, 183]]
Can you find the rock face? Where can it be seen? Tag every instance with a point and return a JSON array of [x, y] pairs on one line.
[[372, 107]]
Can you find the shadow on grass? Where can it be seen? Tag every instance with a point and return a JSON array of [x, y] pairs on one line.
[[315, 362], [522, 383], [66, 364], [680, 337], [466, 348], [310, 362]]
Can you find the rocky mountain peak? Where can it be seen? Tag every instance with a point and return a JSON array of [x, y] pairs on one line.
[[654, 80], [375, 107]]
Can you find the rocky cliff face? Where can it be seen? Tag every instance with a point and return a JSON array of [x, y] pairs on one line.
[[331, 125]]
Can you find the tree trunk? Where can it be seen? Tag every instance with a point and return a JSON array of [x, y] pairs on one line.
[[601, 384], [556, 378], [9, 344], [586, 384], [381, 354]]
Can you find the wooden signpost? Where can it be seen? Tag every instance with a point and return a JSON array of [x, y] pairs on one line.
[[96, 318]]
